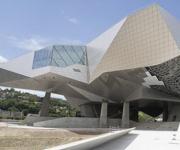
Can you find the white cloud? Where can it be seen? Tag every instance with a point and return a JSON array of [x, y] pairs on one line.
[[73, 20], [33, 43], [37, 42], [2, 59]]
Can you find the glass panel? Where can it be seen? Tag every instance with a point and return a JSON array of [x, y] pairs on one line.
[[81, 52], [42, 58], [71, 53], [57, 59], [60, 56]]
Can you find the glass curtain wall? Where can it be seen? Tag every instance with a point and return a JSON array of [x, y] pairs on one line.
[[60, 56]]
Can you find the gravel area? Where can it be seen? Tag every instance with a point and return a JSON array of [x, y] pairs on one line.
[[36, 139]]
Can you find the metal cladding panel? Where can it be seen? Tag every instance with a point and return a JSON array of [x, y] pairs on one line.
[[173, 25], [99, 46], [143, 40], [20, 65]]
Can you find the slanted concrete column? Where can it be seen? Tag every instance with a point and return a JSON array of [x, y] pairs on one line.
[[125, 115], [103, 115], [45, 105]]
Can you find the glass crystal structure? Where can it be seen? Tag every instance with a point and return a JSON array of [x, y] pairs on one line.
[[60, 56]]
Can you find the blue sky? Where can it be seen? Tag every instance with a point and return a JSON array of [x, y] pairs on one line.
[[32, 24]]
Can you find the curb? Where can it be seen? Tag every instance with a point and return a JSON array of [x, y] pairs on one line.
[[92, 142]]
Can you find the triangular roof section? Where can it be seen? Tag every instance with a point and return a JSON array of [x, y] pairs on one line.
[[98, 47], [143, 40]]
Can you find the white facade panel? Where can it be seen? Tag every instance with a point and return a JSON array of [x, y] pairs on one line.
[[98, 47], [173, 25], [144, 40], [21, 65]]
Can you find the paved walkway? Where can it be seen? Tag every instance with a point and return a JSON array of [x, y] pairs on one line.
[[3, 124], [145, 140], [135, 140]]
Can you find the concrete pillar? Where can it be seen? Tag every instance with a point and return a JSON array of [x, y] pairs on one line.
[[125, 115], [45, 105], [103, 115], [165, 111], [134, 114]]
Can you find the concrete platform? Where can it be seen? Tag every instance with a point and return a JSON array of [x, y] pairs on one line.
[[90, 143], [144, 140]]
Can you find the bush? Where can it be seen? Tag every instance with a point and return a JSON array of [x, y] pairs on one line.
[[28, 103], [143, 117]]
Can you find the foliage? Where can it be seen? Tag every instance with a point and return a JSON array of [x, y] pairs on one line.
[[144, 117], [12, 100]]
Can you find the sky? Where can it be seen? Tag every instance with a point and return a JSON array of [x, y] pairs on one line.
[[27, 25]]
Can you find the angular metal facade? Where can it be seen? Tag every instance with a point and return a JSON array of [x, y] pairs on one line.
[[137, 61]]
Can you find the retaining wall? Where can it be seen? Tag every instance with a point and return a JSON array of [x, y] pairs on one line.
[[76, 122], [32, 118]]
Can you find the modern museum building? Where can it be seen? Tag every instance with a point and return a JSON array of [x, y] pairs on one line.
[[133, 66]]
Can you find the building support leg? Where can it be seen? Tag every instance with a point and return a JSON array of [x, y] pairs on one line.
[[125, 115], [165, 112], [45, 105], [103, 115], [134, 115]]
